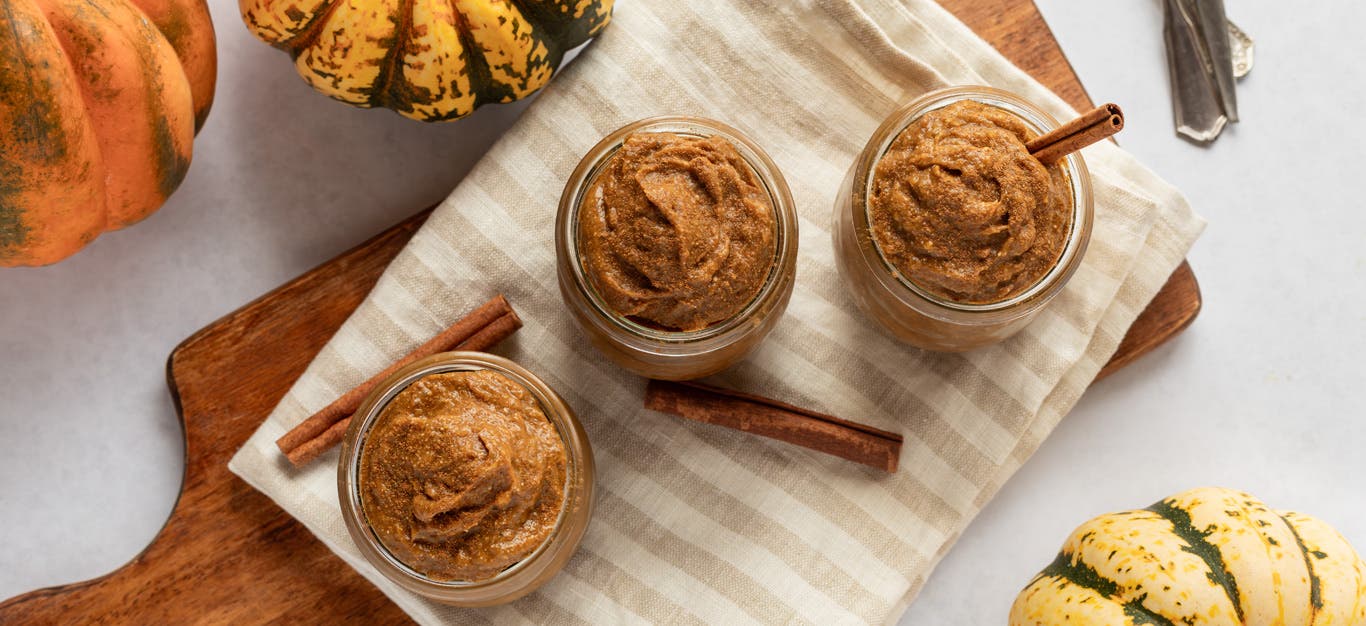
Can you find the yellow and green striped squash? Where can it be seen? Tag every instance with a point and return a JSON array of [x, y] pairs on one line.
[[1203, 557], [429, 60]]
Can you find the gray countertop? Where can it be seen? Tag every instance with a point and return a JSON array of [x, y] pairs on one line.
[[1264, 393]]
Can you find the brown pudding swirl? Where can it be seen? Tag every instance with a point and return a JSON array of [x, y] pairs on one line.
[[961, 209], [676, 231], [462, 475]]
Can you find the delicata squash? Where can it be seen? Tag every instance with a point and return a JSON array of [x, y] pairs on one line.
[[428, 60], [1203, 557], [99, 104]]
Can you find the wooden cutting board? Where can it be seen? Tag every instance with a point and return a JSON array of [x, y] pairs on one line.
[[229, 555]]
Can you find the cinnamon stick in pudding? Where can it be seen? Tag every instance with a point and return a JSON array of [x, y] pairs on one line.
[[1095, 125], [776, 420], [478, 331]]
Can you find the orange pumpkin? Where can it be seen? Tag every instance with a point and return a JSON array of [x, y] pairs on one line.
[[99, 104]]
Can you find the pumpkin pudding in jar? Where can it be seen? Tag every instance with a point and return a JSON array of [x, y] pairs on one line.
[[948, 232], [676, 246], [465, 479]]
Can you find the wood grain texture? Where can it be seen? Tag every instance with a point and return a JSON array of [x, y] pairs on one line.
[[229, 555]]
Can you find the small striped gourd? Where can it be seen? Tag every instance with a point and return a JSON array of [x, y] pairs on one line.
[[429, 60], [99, 104], [1203, 557]]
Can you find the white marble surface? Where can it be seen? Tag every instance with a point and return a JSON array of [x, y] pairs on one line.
[[1264, 392]]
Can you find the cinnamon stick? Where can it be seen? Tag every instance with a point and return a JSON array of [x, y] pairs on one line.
[[478, 330], [776, 420], [1094, 125]]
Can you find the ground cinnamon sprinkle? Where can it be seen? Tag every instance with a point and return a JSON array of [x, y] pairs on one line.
[[462, 475], [961, 208], [677, 231]]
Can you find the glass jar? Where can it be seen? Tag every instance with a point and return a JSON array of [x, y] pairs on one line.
[[915, 315], [668, 354], [532, 571]]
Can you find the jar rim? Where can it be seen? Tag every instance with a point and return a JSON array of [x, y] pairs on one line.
[[512, 581], [1039, 121], [766, 171]]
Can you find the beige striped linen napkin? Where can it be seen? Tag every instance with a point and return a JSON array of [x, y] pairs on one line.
[[702, 524]]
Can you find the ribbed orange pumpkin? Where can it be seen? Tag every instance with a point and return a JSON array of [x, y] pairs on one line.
[[99, 104]]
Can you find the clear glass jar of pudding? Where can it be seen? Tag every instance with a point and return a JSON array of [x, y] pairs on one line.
[[449, 439], [924, 315], [641, 272]]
